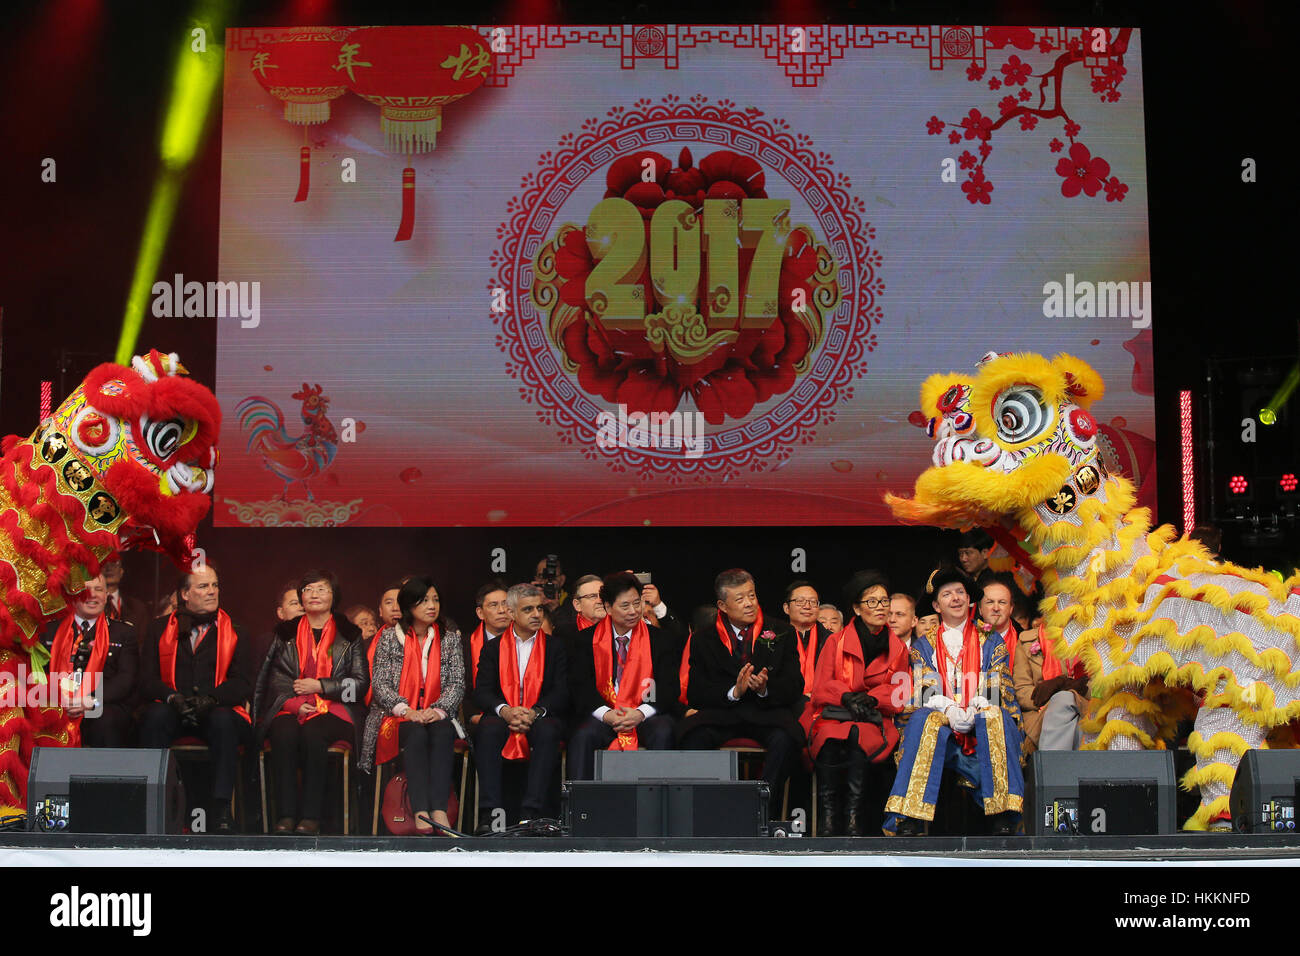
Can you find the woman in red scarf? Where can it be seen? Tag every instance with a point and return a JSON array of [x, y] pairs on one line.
[[861, 682], [418, 682], [308, 694]]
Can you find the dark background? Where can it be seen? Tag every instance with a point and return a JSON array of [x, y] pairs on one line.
[[87, 82]]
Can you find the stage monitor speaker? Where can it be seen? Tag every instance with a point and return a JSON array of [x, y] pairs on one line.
[[1266, 791], [1100, 792], [665, 808], [631, 765], [104, 790]]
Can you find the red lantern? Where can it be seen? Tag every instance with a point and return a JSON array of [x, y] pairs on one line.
[[298, 68], [411, 73]]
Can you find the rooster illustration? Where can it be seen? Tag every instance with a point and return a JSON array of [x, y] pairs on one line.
[[291, 459]]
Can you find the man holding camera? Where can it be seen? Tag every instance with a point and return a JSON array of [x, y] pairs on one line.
[[194, 674]]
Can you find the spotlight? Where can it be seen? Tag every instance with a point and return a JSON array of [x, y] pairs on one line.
[[1287, 483], [1238, 485]]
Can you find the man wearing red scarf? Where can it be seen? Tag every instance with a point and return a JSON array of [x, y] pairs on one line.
[[194, 668], [622, 678], [107, 656], [967, 721], [523, 691], [744, 680], [493, 615], [995, 607], [801, 607]]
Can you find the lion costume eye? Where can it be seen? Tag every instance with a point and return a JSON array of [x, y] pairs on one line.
[[163, 438], [1020, 414]]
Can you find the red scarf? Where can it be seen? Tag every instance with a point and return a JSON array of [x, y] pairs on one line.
[[1011, 639], [968, 665], [370, 659], [67, 641], [807, 657], [724, 632], [315, 661], [1053, 666], [581, 621], [516, 747], [636, 672], [226, 641], [684, 673], [408, 686], [475, 649]]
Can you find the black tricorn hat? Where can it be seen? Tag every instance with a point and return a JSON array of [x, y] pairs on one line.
[[946, 575]]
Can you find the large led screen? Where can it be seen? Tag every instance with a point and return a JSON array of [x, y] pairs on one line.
[[657, 275]]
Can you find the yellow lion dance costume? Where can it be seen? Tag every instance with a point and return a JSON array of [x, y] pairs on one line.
[[1156, 621]]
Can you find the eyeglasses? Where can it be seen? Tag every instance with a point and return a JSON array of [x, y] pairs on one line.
[[875, 602], [804, 602], [317, 589], [593, 596]]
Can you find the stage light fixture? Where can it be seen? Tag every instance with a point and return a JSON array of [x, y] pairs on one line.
[[1287, 483], [1238, 485], [1268, 414], [194, 81]]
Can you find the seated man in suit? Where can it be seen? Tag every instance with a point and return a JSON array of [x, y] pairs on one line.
[[523, 692], [902, 616], [744, 679], [996, 592], [967, 721], [493, 618], [194, 677], [622, 678], [801, 607], [120, 607], [92, 670]]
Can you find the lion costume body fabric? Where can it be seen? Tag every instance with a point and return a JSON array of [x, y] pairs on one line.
[[125, 461], [1161, 628]]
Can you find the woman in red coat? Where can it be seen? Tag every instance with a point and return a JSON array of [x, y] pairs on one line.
[[862, 681]]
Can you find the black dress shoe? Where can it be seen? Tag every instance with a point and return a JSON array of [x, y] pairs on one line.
[[1006, 824], [285, 825], [307, 828], [909, 827], [484, 829], [225, 822]]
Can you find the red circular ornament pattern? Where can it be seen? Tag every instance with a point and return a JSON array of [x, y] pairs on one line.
[[743, 155]]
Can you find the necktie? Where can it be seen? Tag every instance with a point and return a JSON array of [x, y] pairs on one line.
[[621, 644], [742, 646], [115, 607]]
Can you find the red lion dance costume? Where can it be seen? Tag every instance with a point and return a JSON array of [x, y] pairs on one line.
[[126, 461]]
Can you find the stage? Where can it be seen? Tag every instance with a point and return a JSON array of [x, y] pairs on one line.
[[1181, 849]]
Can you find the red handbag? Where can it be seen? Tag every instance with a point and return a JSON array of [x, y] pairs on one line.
[[396, 807]]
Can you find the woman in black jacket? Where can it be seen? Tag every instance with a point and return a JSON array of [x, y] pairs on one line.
[[419, 681], [308, 692]]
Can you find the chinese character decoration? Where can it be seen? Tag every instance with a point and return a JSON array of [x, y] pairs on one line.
[[411, 73], [298, 69]]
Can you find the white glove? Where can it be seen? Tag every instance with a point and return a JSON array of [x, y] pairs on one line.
[[978, 703], [962, 721], [940, 703]]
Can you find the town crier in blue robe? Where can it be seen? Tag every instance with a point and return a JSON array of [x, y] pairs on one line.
[[966, 718]]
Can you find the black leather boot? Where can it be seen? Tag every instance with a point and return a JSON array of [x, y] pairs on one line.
[[830, 791], [856, 789]]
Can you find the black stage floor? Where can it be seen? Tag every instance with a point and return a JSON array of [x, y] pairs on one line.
[[1224, 847]]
